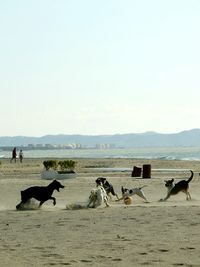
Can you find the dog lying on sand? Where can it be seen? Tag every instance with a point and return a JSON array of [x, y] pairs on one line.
[[101, 181], [181, 186], [97, 197], [40, 193], [133, 191]]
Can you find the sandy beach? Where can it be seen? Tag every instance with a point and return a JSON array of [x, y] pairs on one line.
[[141, 234]]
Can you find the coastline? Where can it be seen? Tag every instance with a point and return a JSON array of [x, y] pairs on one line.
[[168, 153], [142, 234]]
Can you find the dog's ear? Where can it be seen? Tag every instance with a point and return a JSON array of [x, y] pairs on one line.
[[172, 179], [98, 181]]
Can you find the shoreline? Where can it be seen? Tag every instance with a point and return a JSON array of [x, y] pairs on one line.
[[157, 153]]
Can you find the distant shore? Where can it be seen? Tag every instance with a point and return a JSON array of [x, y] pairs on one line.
[[168, 153]]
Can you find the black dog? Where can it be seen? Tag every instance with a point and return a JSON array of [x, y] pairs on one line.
[[181, 186], [101, 181], [40, 193]]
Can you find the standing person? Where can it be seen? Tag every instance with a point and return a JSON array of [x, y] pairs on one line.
[[14, 154], [21, 155]]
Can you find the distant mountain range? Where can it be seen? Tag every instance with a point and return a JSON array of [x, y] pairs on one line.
[[147, 139]]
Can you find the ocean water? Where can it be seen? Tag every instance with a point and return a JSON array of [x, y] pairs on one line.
[[171, 153]]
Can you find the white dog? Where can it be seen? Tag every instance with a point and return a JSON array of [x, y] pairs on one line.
[[97, 197], [133, 191]]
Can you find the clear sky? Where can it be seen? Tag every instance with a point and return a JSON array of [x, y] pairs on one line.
[[99, 66]]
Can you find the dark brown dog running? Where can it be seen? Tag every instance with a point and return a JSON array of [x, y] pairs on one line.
[[40, 193]]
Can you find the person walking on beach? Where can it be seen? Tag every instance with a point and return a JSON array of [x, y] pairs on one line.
[[21, 155], [14, 154]]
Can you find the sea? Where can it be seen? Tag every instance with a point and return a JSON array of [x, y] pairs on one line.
[[169, 153]]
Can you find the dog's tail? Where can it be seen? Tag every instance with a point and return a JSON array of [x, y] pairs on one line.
[[192, 174], [142, 186]]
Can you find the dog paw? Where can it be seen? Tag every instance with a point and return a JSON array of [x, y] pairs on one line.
[[18, 206]]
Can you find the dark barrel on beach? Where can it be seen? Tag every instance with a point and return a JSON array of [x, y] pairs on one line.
[[136, 172], [146, 171]]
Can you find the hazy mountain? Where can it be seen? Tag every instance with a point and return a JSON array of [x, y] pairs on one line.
[[148, 139]]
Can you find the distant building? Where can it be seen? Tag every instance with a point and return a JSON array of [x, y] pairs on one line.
[[30, 145], [39, 145], [112, 145], [78, 145], [102, 146]]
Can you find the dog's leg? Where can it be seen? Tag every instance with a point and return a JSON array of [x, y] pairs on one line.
[[164, 199], [19, 205], [141, 194], [188, 196], [89, 203], [144, 198], [92, 201], [168, 196], [41, 202], [110, 197], [119, 199], [54, 200], [117, 196], [113, 193], [106, 202]]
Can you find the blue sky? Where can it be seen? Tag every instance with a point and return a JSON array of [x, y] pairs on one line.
[[99, 67]]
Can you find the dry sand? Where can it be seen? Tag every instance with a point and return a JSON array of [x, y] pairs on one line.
[[142, 234]]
